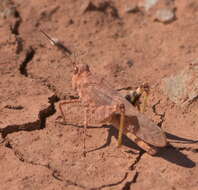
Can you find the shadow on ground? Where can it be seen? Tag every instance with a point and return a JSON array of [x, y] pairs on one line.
[[169, 153]]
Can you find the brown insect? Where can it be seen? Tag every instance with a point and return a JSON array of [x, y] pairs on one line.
[[107, 106]]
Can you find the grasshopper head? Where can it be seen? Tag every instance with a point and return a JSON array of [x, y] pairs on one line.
[[82, 68], [80, 71]]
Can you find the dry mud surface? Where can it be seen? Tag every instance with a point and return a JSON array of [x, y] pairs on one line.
[[127, 43]]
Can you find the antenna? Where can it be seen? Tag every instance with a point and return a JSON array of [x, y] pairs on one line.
[[59, 46]]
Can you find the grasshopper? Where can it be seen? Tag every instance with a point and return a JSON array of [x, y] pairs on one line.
[[107, 106]]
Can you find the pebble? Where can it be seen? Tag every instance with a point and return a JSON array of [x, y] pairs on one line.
[[130, 63], [132, 9], [165, 15], [7, 12], [148, 4]]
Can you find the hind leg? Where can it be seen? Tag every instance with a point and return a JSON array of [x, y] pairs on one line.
[[122, 122], [149, 149]]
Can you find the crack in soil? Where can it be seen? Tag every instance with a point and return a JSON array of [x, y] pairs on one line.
[[17, 107], [30, 52], [19, 47], [14, 24], [50, 110], [55, 173], [36, 125], [69, 182], [133, 166], [162, 119], [44, 82], [14, 27], [128, 184], [162, 116]]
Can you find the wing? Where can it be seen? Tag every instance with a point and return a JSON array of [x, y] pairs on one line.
[[149, 132], [101, 93]]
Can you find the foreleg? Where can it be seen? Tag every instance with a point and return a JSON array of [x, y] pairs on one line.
[[67, 102]]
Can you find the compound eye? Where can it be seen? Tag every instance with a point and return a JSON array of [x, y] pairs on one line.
[[75, 70]]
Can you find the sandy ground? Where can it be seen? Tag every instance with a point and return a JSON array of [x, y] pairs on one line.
[[123, 41]]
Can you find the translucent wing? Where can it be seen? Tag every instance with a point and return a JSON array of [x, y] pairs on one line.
[[99, 91], [102, 94]]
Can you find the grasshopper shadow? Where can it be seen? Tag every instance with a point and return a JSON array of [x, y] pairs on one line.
[[180, 139], [169, 153], [113, 132], [173, 155]]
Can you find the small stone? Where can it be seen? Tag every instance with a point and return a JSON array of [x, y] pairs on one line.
[[195, 62], [132, 9], [70, 22], [8, 12], [130, 63], [148, 4], [165, 15], [85, 6]]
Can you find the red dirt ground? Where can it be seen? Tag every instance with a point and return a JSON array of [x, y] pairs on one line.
[[36, 151]]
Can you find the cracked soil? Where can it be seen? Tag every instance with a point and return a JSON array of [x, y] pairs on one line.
[[128, 49]]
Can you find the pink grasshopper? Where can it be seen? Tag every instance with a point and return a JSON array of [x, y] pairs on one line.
[[108, 106]]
